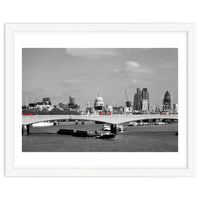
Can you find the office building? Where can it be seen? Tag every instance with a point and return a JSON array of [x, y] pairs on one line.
[[118, 110], [175, 108], [72, 105], [46, 101], [89, 109], [137, 100], [167, 102], [141, 100], [71, 100], [128, 104], [145, 105]]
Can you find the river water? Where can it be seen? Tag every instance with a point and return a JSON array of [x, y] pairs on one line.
[[149, 138]]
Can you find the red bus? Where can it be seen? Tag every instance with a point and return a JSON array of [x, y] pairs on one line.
[[28, 113]]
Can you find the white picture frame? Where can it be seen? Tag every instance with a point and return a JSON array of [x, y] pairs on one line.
[[12, 170]]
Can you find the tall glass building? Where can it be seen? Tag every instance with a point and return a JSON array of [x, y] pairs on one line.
[[167, 102], [141, 100]]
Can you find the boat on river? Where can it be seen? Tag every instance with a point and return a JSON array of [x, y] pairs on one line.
[[120, 127], [105, 135], [43, 124], [106, 127]]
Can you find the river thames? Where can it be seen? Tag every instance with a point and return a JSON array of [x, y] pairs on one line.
[[149, 138]]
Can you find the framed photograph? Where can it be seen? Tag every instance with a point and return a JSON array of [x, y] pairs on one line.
[[99, 100]]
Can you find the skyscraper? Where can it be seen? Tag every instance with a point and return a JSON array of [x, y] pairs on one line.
[[145, 105], [141, 100], [145, 94], [137, 100], [167, 102]]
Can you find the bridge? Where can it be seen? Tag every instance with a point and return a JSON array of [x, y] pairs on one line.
[[110, 119]]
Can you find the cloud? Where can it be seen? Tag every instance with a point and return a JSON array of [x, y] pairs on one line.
[[135, 81], [69, 82], [133, 67], [99, 52], [92, 52]]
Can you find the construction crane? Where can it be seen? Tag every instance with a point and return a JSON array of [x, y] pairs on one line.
[[126, 95], [128, 103]]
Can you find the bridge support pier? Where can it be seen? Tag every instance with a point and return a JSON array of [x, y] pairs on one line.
[[23, 130], [26, 129], [113, 128]]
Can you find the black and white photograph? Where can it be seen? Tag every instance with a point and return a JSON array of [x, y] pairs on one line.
[[100, 100]]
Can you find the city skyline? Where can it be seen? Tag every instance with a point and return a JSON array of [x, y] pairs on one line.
[[82, 73]]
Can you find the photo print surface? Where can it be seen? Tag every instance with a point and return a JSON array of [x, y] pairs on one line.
[[100, 99]]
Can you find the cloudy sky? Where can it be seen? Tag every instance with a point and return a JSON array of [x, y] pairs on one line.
[[82, 73]]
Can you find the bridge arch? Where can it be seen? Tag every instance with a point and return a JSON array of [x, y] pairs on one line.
[[111, 119]]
